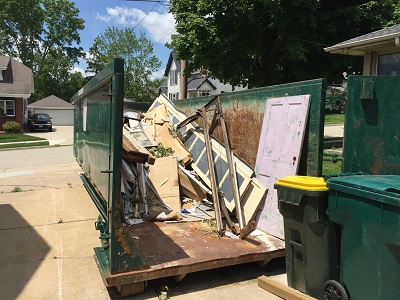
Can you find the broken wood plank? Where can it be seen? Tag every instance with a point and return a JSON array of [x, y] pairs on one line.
[[249, 228], [133, 151], [281, 290]]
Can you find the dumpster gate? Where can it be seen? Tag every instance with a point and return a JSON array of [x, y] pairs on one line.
[[97, 148]]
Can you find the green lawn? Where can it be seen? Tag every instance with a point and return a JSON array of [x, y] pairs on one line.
[[334, 119], [19, 139], [329, 168]]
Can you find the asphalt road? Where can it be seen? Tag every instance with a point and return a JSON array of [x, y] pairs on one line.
[[25, 158]]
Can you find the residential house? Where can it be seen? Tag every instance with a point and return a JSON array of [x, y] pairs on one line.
[[197, 85], [380, 49], [60, 111], [16, 87]]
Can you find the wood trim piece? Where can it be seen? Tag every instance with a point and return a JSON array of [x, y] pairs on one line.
[[281, 290]]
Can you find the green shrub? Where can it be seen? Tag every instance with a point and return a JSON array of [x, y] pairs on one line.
[[12, 127]]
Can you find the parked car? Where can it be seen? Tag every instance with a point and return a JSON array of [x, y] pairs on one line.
[[40, 121]]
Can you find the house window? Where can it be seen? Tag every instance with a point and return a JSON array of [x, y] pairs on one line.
[[389, 64], [7, 107], [173, 77], [204, 93], [173, 96]]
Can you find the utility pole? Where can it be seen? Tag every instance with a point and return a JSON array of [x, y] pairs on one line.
[[183, 89]]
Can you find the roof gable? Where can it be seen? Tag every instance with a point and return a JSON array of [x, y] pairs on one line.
[[196, 83], [172, 57]]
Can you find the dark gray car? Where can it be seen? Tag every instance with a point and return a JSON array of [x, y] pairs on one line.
[[40, 121]]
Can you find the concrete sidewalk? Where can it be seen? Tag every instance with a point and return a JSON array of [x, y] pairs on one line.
[[47, 235], [334, 131]]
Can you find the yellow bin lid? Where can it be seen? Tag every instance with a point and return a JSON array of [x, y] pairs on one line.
[[308, 183]]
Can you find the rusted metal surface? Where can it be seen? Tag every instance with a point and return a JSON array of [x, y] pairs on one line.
[[244, 112], [172, 249]]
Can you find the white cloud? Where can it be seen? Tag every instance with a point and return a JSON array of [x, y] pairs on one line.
[[160, 26], [82, 66], [77, 69], [157, 74]]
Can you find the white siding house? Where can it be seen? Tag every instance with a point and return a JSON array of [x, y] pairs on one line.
[[197, 85]]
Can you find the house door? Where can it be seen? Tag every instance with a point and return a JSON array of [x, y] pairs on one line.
[[279, 153]]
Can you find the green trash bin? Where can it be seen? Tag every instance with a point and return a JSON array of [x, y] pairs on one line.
[[311, 240], [367, 207]]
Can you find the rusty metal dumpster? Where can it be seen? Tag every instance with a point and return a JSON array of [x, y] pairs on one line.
[[129, 256]]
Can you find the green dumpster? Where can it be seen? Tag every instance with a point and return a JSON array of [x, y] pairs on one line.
[[367, 207], [310, 238]]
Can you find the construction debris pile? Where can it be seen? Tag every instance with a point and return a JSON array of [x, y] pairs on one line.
[[173, 169]]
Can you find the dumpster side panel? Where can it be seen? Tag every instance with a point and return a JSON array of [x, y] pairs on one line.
[[244, 113], [370, 247], [372, 125]]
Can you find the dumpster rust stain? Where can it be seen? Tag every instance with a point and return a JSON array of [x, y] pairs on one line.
[[119, 230], [244, 124], [122, 240], [244, 128]]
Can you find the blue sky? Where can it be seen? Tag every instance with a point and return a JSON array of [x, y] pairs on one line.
[[154, 19]]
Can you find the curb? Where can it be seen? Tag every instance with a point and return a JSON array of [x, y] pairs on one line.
[[36, 147]]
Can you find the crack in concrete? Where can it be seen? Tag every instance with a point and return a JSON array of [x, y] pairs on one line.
[[55, 223], [30, 185], [36, 243], [47, 258]]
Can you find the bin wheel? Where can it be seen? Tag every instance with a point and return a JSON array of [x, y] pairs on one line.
[[333, 290]]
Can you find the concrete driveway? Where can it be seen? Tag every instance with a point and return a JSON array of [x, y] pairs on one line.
[[61, 135], [47, 238]]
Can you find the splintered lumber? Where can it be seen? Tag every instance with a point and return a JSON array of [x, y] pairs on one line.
[[281, 290], [133, 151]]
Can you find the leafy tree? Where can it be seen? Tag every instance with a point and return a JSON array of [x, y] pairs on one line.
[[57, 79], [42, 34], [264, 42], [139, 61]]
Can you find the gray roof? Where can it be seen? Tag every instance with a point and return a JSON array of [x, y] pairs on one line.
[[196, 83], [17, 78], [51, 102], [358, 45]]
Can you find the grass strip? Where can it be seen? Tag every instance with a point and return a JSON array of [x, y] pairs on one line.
[[334, 119], [18, 137]]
